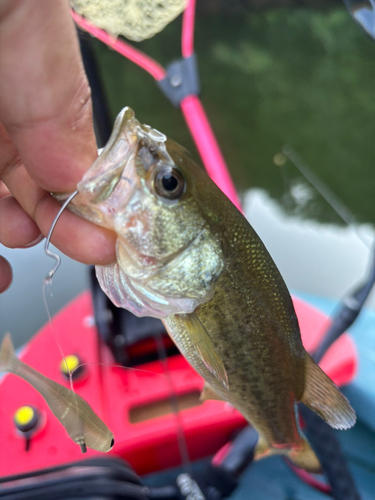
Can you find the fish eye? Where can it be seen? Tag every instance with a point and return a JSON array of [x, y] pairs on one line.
[[112, 443], [169, 183]]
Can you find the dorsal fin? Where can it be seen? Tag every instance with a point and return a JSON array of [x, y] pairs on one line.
[[323, 397]]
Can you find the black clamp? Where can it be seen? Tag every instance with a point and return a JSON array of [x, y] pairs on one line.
[[181, 81], [213, 483]]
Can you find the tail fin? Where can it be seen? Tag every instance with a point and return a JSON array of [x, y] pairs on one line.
[[7, 354], [302, 456]]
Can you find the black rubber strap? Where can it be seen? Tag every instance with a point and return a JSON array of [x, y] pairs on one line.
[[328, 450]]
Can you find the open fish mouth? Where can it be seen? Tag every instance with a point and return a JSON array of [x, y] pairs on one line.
[[109, 183]]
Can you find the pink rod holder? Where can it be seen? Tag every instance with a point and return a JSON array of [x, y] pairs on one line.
[[125, 49], [208, 147]]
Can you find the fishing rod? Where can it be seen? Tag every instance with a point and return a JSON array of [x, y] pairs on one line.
[[320, 186], [347, 312], [363, 13], [325, 192], [350, 307]]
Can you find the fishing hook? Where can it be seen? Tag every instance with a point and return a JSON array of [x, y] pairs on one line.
[[57, 258]]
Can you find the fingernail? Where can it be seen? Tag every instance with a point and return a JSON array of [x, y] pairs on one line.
[[6, 278], [34, 242]]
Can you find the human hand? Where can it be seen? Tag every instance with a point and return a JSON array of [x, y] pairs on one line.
[[46, 132]]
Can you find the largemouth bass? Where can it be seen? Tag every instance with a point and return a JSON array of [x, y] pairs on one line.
[[74, 413], [186, 255]]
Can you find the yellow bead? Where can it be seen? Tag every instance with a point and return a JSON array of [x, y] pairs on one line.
[[69, 363], [24, 415]]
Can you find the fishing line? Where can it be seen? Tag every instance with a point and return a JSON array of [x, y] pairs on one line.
[[45, 285], [181, 438], [342, 211], [49, 278], [122, 367], [48, 283], [325, 192], [319, 433], [80, 423]]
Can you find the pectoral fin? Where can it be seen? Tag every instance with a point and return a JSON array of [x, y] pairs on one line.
[[206, 350], [323, 397], [209, 393]]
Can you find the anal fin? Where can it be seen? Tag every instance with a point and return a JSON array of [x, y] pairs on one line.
[[323, 397], [302, 455], [209, 393], [263, 449]]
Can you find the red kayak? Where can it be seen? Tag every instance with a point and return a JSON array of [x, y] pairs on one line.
[[137, 403]]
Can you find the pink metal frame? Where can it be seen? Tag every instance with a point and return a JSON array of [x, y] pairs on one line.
[[191, 106]]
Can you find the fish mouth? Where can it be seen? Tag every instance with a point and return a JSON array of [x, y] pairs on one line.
[[105, 173], [109, 182], [108, 185]]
